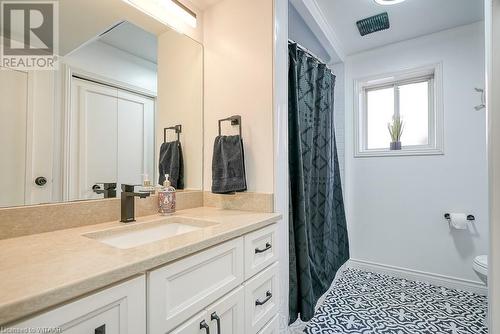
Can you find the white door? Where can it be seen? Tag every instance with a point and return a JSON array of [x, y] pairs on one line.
[[13, 118], [41, 137], [115, 140], [95, 138], [227, 314], [135, 137]]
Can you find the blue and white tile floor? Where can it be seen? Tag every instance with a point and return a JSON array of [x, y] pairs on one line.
[[368, 303]]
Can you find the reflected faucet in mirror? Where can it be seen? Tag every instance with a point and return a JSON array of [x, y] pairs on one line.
[[128, 202], [109, 190]]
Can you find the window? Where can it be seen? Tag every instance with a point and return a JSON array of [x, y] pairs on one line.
[[412, 96]]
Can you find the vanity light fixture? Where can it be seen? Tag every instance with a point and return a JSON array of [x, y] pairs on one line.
[[388, 2], [166, 11]]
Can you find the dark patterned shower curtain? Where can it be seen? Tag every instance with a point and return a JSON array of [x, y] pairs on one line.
[[318, 234]]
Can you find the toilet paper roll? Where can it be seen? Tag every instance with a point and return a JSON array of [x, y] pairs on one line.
[[458, 221]]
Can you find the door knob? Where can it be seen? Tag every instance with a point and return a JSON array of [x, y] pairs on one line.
[[41, 181]]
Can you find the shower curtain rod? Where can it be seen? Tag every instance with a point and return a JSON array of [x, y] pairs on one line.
[[309, 52]]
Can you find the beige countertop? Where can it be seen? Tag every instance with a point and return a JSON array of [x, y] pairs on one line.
[[43, 270]]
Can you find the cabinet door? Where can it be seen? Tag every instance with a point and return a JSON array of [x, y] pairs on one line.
[[196, 325], [180, 290], [272, 327], [261, 299], [260, 250], [227, 315], [118, 310]]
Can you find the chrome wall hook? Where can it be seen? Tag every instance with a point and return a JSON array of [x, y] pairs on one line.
[[483, 100]]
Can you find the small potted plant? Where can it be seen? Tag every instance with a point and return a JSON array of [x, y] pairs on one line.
[[396, 131]]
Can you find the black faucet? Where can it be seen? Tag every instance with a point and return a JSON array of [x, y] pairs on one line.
[[128, 202], [109, 190]]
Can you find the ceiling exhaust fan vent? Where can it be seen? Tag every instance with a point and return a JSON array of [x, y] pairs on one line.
[[373, 24]]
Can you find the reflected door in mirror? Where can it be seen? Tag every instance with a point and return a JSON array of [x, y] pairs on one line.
[[13, 117], [112, 138]]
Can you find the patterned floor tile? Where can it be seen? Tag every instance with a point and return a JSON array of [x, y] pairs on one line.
[[369, 303]]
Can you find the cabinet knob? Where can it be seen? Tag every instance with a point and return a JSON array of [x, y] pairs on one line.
[[215, 317], [203, 325], [100, 330]]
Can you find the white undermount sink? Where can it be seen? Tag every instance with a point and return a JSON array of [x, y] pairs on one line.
[[137, 234]]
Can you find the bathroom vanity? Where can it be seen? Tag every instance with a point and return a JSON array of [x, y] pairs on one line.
[[219, 277], [83, 143]]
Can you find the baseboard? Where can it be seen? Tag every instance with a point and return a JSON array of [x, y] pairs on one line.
[[415, 275]]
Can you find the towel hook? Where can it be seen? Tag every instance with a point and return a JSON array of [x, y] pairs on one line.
[[483, 102], [177, 128], [235, 120]]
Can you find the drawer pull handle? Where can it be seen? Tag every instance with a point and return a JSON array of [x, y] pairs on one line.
[[203, 325], [215, 317], [100, 330], [269, 295], [268, 247]]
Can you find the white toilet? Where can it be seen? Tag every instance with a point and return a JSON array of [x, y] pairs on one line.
[[480, 265]]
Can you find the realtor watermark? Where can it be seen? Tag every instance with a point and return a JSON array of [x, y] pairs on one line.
[[38, 330], [29, 31]]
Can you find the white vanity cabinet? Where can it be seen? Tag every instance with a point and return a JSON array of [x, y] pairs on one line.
[[231, 288], [120, 309], [178, 291]]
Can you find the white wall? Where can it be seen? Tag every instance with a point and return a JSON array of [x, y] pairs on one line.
[[492, 15], [180, 100], [299, 32], [238, 76], [395, 205], [115, 64]]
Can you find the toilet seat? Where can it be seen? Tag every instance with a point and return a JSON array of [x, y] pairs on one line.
[[480, 264]]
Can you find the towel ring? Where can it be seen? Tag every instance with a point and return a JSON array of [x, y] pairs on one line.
[[235, 120], [177, 128]]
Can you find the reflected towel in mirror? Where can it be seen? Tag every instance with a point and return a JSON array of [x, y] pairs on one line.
[[171, 162]]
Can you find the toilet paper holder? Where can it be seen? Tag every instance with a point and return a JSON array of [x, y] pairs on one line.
[[470, 218]]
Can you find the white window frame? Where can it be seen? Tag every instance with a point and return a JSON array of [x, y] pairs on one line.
[[432, 73]]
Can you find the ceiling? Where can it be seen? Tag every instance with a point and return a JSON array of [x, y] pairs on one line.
[[81, 21], [410, 19], [134, 40]]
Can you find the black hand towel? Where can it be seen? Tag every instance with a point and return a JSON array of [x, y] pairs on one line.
[[228, 165], [171, 162]]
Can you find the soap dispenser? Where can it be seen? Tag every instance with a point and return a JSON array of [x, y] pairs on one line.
[[166, 198], [147, 185]]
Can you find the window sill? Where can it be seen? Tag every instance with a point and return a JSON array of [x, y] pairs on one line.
[[405, 152]]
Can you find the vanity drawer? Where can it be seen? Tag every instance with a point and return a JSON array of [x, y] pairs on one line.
[[261, 299], [119, 309], [272, 327], [260, 250], [184, 288]]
